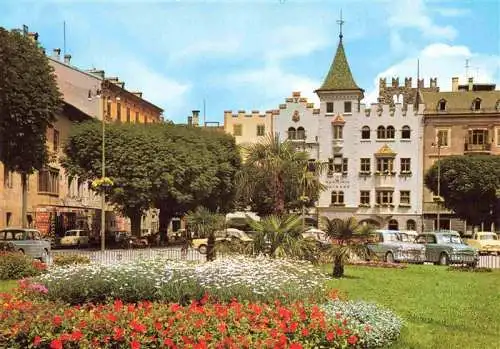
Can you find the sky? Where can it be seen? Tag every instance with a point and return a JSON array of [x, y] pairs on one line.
[[251, 54]]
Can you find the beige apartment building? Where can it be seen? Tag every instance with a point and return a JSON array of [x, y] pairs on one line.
[[463, 121], [57, 202], [248, 128]]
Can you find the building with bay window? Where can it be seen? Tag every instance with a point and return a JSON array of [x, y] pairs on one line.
[[463, 121]]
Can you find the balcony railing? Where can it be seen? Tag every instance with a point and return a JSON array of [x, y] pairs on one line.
[[477, 148]]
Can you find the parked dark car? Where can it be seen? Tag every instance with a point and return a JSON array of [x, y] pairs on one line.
[[447, 248]]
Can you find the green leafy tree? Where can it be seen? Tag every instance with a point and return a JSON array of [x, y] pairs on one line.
[[29, 102], [205, 175], [135, 158], [469, 186], [204, 223], [275, 178], [171, 167], [349, 238]]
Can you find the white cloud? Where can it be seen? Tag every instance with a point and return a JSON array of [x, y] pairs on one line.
[[273, 84], [199, 50], [157, 88], [444, 62], [451, 11], [415, 14]]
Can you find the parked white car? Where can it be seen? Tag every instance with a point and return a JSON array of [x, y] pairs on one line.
[[75, 237], [27, 241]]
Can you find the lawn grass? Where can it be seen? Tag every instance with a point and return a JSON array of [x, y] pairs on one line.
[[441, 309], [7, 286]]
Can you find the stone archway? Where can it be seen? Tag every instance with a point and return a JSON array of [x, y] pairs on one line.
[[393, 225]]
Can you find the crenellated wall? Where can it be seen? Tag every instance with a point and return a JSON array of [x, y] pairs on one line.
[[404, 94]]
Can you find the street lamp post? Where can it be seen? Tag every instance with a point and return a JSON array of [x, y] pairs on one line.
[[103, 174], [438, 146]]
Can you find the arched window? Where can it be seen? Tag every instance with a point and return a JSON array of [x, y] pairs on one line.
[[476, 105], [411, 224], [365, 132], [390, 132], [406, 132], [292, 134], [393, 225], [301, 133], [381, 132], [442, 105]]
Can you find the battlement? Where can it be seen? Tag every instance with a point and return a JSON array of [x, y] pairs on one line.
[[296, 98], [379, 109], [249, 114], [407, 83]]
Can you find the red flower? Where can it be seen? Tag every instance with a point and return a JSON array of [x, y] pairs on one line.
[[137, 326], [158, 325], [56, 344], [135, 345], [169, 343], [118, 333], [76, 336], [340, 332], [111, 317], [118, 305], [352, 340], [222, 327], [57, 320], [305, 332], [330, 336], [295, 346], [37, 341]]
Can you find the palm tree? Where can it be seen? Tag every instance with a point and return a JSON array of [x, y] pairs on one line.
[[205, 223], [281, 236], [276, 160], [349, 238]]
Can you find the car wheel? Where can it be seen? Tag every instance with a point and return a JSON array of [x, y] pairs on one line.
[[45, 256], [443, 259], [389, 257], [202, 249]]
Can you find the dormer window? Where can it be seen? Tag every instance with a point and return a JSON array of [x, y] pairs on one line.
[[442, 105], [477, 104]]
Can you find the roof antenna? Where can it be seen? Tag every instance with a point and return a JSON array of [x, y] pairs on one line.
[[204, 113], [467, 66], [418, 84], [340, 22], [64, 38]]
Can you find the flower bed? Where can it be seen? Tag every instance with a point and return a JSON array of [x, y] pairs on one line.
[[379, 264], [379, 326], [244, 278], [43, 324], [14, 265]]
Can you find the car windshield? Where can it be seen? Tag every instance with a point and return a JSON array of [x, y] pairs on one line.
[[391, 237], [14, 235], [450, 239], [488, 237]]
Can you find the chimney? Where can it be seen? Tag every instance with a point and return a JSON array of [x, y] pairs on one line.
[[196, 117], [56, 54], [190, 121], [471, 84], [67, 59], [454, 84]]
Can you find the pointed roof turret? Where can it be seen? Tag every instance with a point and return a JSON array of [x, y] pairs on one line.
[[339, 76]]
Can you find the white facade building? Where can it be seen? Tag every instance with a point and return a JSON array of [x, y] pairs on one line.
[[297, 121]]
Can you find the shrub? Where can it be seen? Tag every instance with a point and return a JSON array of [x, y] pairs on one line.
[[70, 259], [28, 324], [469, 269], [14, 265], [377, 327], [254, 279]]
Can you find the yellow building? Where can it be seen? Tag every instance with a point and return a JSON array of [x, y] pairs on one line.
[[465, 120], [248, 128]]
